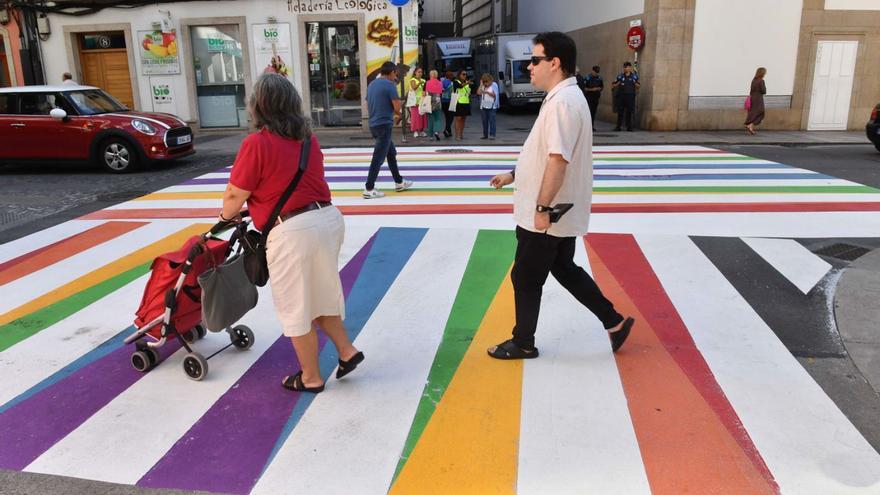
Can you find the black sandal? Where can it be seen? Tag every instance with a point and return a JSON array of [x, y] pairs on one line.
[[346, 367], [509, 350], [619, 337], [296, 384]]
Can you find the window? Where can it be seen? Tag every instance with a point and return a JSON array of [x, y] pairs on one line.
[[521, 72], [7, 104], [103, 41], [93, 102], [41, 103]]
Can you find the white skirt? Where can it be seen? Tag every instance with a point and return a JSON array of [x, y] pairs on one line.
[[303, 256]]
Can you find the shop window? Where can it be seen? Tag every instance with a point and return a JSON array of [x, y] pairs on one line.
[[219, 72]]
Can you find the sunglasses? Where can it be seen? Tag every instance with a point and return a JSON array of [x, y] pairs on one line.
[[537, 60]]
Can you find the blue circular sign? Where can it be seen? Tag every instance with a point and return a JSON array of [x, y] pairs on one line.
[[399, 3]]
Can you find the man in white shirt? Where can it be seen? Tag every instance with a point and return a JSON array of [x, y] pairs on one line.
[[554, 167], [67, 80]]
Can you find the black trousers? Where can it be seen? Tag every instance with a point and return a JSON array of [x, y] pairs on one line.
[[593, 103], [626, 106], [538, 255], [450, 118]]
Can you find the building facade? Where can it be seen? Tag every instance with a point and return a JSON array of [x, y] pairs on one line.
[[699, 57], [480, 17], [199, 60], [10, 47]]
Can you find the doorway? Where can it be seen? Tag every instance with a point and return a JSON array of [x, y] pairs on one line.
[[104, 61], [334, 73], [832, 85]]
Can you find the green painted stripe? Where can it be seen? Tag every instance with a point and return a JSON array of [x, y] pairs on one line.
[[488, 265], [27, 326], [678, 189]]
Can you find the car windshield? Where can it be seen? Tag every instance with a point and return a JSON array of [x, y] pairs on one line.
[[94, 101], [521, 72]]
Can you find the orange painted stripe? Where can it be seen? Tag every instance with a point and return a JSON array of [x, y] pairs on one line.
[[49, 255], [685, 445]]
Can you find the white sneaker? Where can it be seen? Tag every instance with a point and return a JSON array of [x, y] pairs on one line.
[[403, 186], [424, 134], [372, 194], [415, 134]]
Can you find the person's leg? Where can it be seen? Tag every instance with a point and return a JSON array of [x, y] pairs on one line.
[[335, 330], [450, 118], [392, 159], [306, 347], [484, 117], [593, 103], [535, 254], [380, 152], [438, 123], [579, 283], [431, 129], [493, 113], [459, 127], [630, 110], [620, 112]]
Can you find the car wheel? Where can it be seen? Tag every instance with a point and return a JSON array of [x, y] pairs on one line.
[[877, 145], [118, 156]]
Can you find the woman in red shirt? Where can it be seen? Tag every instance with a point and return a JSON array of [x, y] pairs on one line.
[[303, 245]]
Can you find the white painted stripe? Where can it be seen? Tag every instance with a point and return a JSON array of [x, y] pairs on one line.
[[38, 357], [28, 288], [399, 342], [791, 259], [111, 445], [23, 245], [576, 435], [818, 451]]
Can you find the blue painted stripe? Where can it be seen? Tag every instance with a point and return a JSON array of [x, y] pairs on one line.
[[95, 354], [391, 250]]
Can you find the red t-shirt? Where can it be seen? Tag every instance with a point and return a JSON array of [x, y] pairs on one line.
[[265, 166]]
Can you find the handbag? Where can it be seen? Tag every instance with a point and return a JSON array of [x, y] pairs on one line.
[[227, 294], [411, 99], [253, 243], [453, 103], [425, 106], [748, 104], [436, 103]]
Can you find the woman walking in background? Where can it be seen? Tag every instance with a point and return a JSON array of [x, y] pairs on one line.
[[756, 101], [434, 88], [304, 243], [462, 91], [488, 92], [416, 90], [445, 98]]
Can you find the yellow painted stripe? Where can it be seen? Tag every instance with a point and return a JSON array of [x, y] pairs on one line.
[[471, 444], [106, 272]]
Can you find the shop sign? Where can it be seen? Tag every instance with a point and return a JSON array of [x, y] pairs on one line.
[[162, 94], [272, 47], [220, 45], [325, 6], [159, 54]]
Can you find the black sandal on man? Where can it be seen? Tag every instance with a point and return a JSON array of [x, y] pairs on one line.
[[296, 384], [346, 367], [509, 350], [618, 337]]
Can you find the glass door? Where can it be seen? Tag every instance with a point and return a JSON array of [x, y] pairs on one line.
[[334, 73], [219, 72]]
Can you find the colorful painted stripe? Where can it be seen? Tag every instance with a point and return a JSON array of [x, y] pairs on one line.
[[598, 151], [488, 264], [671, 390]]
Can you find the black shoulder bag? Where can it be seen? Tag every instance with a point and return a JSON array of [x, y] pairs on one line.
[[254, 243]]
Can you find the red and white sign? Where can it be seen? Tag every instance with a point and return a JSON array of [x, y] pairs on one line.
[[635, 38]]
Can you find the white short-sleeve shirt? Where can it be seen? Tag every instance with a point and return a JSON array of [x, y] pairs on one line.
[[563, 127]]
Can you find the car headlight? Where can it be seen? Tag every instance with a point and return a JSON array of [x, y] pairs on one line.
[[144, 127]]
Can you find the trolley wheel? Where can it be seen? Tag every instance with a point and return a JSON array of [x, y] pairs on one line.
[[191, 336], [140, 361], [154, 356], [201, 331], [242, 337], [195, 366]]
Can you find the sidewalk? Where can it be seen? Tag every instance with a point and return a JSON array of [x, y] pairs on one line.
[[857, 311]]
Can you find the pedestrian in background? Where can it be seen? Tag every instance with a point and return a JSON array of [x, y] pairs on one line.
[[304, 243], [488, 91], [593, 86], [383, 104], [445, 98], [462, 94], [67, 80], [555, 166], [434, 88], [627, 84], [756, 101], [413, 97]]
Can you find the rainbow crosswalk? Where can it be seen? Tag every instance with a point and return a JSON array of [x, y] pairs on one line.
[[704, 398]]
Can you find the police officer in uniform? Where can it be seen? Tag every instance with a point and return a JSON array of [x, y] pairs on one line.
[[593, 86], [627, 85]]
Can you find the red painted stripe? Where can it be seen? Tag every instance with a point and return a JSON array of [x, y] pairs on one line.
[[625, 261], [45, 256], [150, 213], [330, 153]]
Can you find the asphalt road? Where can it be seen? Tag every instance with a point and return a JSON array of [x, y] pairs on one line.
[[858, 163]]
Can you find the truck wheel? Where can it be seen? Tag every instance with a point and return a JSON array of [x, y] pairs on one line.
[[118, 156], [877, 145]]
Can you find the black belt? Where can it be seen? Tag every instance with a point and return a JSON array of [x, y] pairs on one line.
[[314, 205]]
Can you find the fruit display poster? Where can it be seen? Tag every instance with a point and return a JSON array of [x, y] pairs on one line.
[[159, 54], [272, 48]]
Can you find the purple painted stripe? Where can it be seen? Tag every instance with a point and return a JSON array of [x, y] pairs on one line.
[[361, 178], [33, 426], [234, 439]]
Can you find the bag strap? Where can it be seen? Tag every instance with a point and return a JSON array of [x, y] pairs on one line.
[[303, 163]]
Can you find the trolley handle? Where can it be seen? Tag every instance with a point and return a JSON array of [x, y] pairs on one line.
[[223, 226]]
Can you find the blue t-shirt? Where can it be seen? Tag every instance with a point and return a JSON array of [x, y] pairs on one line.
[[380, 96]]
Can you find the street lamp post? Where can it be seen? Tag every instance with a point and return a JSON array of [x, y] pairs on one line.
[[400, 34]]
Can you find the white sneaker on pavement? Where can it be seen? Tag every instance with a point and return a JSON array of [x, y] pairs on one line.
[[373, 193], [403, 186]]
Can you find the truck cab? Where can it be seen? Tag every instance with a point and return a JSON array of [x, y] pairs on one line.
[[506, 57]]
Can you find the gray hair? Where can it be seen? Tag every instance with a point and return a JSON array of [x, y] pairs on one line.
[[276, 105]]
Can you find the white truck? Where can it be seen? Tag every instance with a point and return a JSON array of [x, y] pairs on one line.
[[505, 56]]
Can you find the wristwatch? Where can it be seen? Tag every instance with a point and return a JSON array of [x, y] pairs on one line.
[[543, 209]]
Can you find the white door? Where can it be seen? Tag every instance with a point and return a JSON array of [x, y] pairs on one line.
[[832, 85]]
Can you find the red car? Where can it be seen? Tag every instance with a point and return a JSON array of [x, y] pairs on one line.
[[83, 123]]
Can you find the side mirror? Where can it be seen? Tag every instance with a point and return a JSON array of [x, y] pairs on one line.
[[58, 114]]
